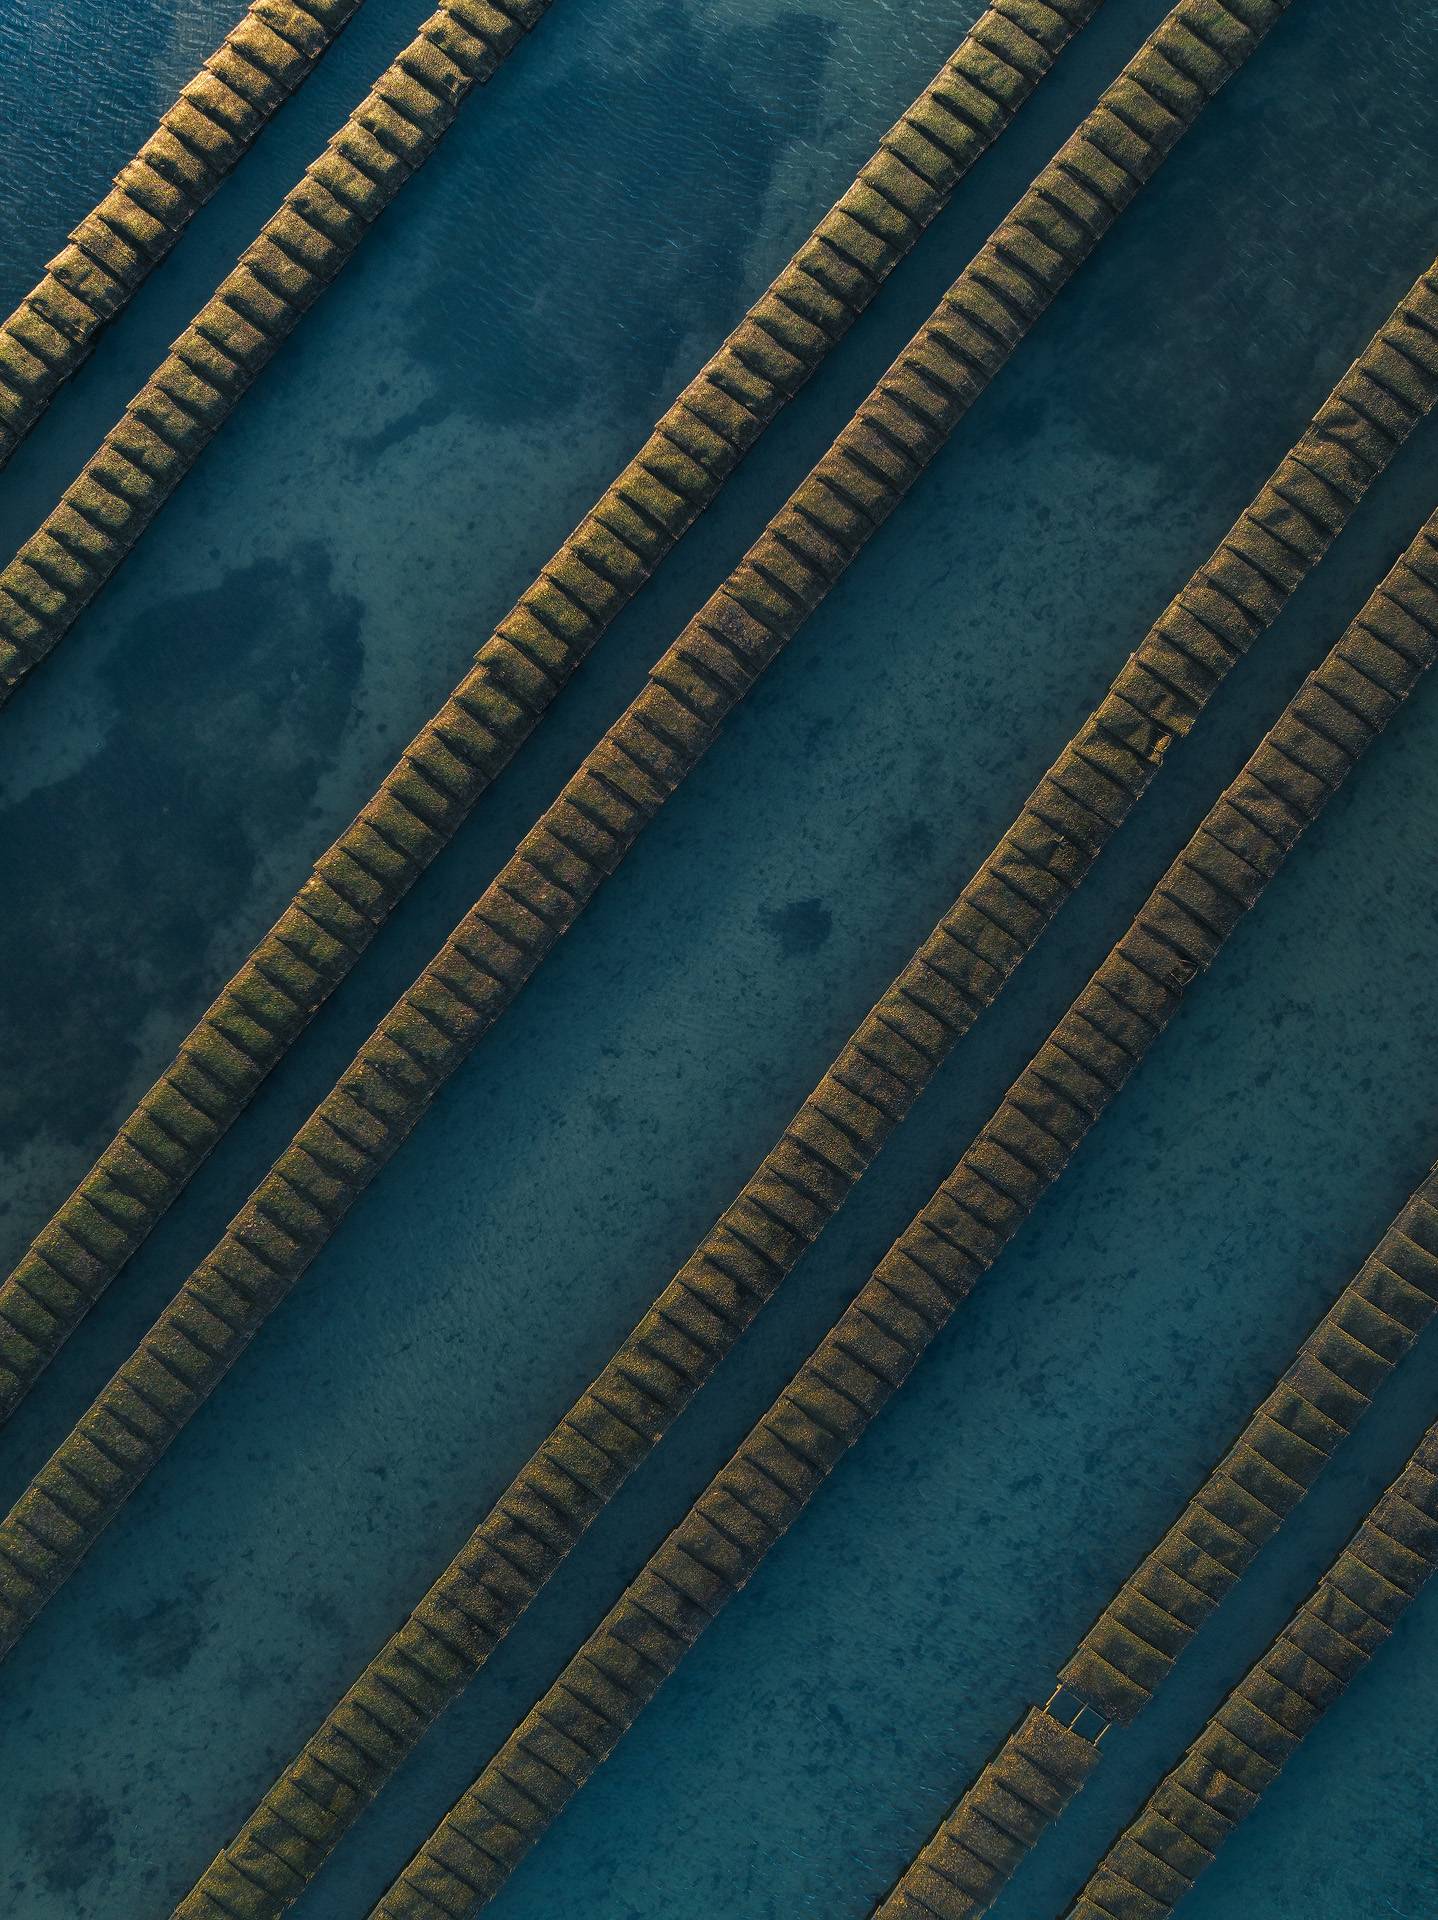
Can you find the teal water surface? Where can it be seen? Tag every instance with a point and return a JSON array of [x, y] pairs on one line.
[[598, 218]]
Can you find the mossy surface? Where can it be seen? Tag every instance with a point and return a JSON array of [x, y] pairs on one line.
[[667, 1045], [220, 112], [192, 392], [1240, 1752], [930, 1270], [516, 675], [1128, 1653]]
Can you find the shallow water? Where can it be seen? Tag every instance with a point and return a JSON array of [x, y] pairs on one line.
[[595, 221]]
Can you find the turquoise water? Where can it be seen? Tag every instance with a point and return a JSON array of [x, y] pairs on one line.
[[593, 224]]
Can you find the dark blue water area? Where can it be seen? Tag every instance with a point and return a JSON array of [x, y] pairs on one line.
[[597, 219]]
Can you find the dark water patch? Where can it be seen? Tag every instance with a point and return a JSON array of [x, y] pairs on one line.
[[430, 412], [69, 1838], [801, 927], [217, 744], [324, 1613], [913, 843], [591, 232], [164, 1638]]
